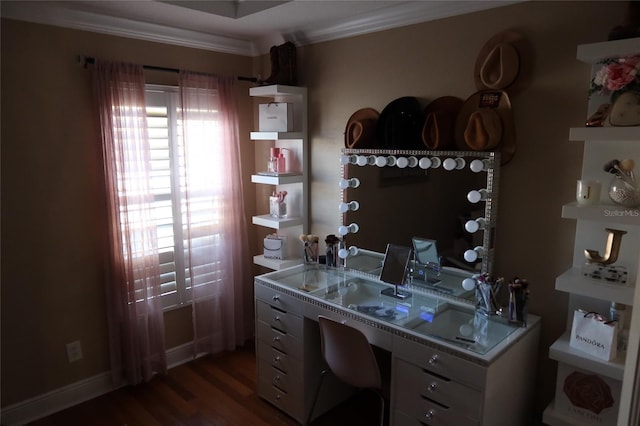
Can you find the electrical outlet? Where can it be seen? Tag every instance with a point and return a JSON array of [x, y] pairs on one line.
[[74, 351]]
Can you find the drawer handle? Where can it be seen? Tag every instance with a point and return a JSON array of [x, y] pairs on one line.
[[278, 397], [276, 298], [276, 359], [430, 414], [276, 339], [433, 386], [276, 318], [433, 360], [276, 379]]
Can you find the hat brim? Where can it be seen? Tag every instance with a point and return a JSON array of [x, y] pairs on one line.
[[502, 105], [521, 45], [363, 115]]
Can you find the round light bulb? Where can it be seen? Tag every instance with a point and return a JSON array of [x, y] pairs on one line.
[[343, 253], [348, 159], [402, 162], [425, 162], [381, 161], [345, 207], [361, 161], [470, 255], [371, 160], [478, 166], [413, 161], [391, 161], [469, 284], [474, 225], [344, 230], [435, 162], [473, 255], [476, 196], [349, 183], [449, 164]]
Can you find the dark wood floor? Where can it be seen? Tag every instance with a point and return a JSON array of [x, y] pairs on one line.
[[212, 390]]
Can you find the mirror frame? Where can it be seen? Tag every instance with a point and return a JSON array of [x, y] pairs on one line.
[[492, 170]]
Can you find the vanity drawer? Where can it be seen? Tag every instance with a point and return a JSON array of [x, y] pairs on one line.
[[279, 360], [433, 414], [281, 341], [277, 318], [410, 380], [280, 379], [280, 300], [290, 403], [440, 363]]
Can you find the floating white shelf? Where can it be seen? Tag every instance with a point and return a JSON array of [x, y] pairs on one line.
[[602, 213], [595, 52], [277, 90], [561, 351], [572, 281], [272, 222], [275, 264], [276, 180], [604, 134], [276, 136]]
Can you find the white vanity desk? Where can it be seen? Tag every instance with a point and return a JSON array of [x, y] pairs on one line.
[[439, 376]]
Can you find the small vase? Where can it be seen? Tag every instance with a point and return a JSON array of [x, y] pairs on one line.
[[625, 109], [624, 193]]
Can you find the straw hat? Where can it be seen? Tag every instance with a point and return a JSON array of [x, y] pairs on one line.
[[360, 132], [485, 123], [440, 121], [501, 61]]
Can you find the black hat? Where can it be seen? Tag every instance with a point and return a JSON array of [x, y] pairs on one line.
[[400, 124]]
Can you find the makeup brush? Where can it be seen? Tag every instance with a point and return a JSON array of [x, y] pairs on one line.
[[613, 167]]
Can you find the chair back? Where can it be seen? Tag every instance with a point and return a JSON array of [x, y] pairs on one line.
[[349, 354]]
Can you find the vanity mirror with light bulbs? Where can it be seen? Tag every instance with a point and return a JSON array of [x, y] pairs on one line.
[[403, 196]]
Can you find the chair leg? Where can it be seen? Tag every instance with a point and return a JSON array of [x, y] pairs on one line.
[[382, 408], [315, 397]]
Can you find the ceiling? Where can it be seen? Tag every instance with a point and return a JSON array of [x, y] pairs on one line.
[[238, 26]]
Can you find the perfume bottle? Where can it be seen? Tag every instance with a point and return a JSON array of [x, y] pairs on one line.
[[277, 161]]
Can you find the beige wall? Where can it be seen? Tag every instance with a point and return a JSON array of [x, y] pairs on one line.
[[436, 59], [51, 241]]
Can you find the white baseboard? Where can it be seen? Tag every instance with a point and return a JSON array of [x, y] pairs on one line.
[[78, 392]]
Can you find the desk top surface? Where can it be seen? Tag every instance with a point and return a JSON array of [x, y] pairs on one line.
[[439, 319]]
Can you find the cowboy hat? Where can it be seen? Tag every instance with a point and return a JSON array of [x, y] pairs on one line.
[[485, 123], [500, 61], [400, 124], [361, 129], [439, 122]]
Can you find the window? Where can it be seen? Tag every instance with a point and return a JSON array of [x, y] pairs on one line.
[[167, 186]]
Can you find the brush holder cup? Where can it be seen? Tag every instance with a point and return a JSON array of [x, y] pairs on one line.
[[624, 192]]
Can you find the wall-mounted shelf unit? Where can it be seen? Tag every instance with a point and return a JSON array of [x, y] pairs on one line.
[[295, 181], [601, 144]]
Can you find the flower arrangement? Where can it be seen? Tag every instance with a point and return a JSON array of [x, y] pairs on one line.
[[616, 76]]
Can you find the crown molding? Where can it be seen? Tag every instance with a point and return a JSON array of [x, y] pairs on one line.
[[42, 13], [409, 13], [413, 12]]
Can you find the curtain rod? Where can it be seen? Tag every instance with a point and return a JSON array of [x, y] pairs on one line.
[[89, 60]]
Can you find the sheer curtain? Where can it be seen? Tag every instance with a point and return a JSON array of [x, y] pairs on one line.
[[134, 309], [215, 228]]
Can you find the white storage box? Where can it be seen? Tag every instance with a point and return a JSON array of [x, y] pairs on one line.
[[275, 247], [275, 117], [588, 397]]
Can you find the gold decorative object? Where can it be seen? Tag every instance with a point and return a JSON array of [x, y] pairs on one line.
[[611, 250]]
